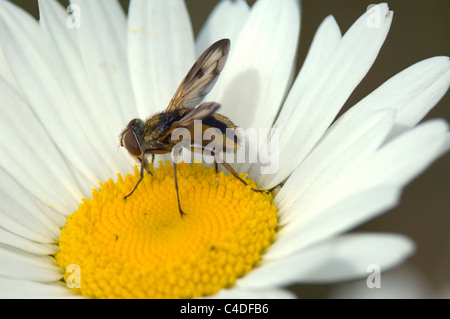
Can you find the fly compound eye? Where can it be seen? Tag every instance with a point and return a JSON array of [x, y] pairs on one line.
[[131, 143]]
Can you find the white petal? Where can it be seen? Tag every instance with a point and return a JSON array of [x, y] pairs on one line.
[[327, 37], [333, 220], [394, 164], [12, 225], [33, 158], [401, 160], [17, 204], [102, 43], [343, 71], [88, 111], [412, 93], [254, 81], [37, 77], [21, 265], [5, 69], [23, 289], [160, 50], [6, 74], [446, 145], [29, 246], [238, 293], [343, 258], [220, 26], [353, 253], [325, 41], [403, 282], [284, 271], [335, 155]]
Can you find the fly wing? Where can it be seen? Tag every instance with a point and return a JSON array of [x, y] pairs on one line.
[[201, 77], [201, 112]]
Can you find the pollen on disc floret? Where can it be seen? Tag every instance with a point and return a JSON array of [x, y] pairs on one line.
[[143, 248]]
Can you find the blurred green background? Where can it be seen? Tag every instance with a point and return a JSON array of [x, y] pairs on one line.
[[420, 30]]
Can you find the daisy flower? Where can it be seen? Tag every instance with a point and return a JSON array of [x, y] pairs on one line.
[[70, 84]]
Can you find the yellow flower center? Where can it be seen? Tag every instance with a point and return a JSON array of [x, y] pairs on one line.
[[143, 248]]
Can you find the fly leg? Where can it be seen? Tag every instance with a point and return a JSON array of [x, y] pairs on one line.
[[176, 188], [228, 167], [140, 179], [145, 167]]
